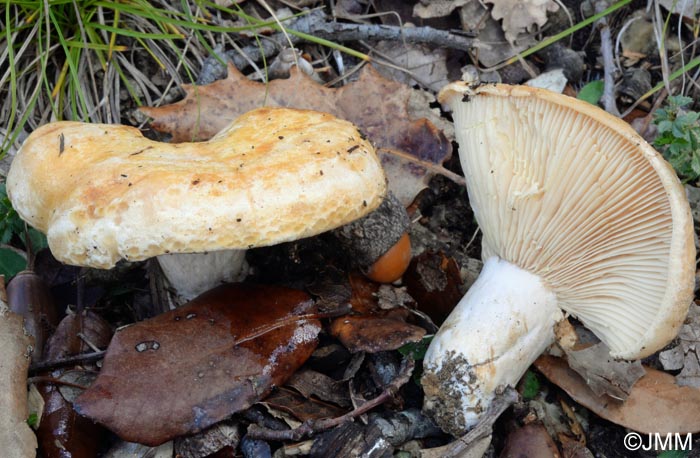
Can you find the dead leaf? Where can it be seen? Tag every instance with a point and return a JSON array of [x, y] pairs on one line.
[[373, 334], [66, 342], [604, 374], [300, 407], [372, 330], [433, 280], [184, 370], [520, 15], [131, 450], [16, 437], [571, 448], [62, 432], [217, 437], [475, 17], [311, 383], [530, 440], [426, 9], [29, 296], [379, 107], [686, 354], [652, 405], [414, 64]]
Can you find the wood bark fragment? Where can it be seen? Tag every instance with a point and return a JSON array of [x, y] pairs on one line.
[[16, 438]]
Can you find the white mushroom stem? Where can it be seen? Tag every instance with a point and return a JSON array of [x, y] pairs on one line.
[[496, 331], [191, 274]]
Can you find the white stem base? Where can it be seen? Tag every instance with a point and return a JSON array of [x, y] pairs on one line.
[[497, 330], [191, 274]]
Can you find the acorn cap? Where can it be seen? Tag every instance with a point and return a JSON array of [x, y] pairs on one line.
[[570, 193], [102, 193]]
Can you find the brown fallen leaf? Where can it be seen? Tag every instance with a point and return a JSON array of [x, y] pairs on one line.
[[311, 383], [301, 407], [16, 438], [373, 329], [373, 334], [433, 280], [652, 405], [186, 369], [62, 432], [29, 296], [378, 106], [530, 440]]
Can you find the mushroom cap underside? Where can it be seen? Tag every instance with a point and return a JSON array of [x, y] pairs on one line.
[[103, 193], [573, 194]]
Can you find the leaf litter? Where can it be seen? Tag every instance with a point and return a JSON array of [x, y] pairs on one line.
[[411, 145], [683, 357], [214, 356]]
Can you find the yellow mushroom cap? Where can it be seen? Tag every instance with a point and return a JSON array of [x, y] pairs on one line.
[[103, 193]]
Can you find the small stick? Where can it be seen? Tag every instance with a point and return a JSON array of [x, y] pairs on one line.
[[339, 31], [484, 427], [69, 361], [53, 381], [314, 426], [317, 24], [606, 50]]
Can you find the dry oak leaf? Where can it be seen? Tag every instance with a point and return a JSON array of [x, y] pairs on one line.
[[426, 9], [382, 109], [520, 15], [189, 368], [655, 403]]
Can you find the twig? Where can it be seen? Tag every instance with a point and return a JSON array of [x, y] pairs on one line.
[[485, 425], [317, 24], [54, 381], [606, 50], [339, 31], [69, 361], [313, 426], [433, 167]]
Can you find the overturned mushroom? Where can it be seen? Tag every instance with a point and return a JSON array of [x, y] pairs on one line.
[[102, 193], [578, 214]]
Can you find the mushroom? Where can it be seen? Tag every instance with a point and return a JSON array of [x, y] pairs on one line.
[[103, 193], [580, 217]]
